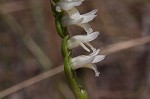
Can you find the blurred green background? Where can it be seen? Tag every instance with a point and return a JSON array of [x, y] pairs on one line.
[[29, 45]]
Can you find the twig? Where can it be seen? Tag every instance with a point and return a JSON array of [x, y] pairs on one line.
[[31, 81], [107, 50], [113, 48]]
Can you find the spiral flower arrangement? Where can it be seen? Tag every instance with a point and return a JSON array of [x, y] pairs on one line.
[[66, 13]]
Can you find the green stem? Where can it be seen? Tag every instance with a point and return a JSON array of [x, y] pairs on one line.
[[70, 73]]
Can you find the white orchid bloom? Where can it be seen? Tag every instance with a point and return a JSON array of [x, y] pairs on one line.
[[87, 16], [74, 18], [87, 61], [67, 4], [81, 40]]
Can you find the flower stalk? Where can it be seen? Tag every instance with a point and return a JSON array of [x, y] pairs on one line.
[[66, 13]]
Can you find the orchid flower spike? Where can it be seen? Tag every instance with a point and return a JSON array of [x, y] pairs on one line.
[[87, 61], [73, 17], [81, 40]]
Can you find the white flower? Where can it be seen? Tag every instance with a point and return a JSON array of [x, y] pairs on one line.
[[74, 18], [67, 4], [81, 40], [87, 17], [87, 61]]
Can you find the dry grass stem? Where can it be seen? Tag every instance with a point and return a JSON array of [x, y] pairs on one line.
[[107, 50], [31, 81]]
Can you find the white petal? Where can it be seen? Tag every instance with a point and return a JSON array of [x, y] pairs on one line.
[[85, 38], [71, 21], [91, 37], [81, 61], [80, 58], [90, 13], [86, 27], [67, 5], [93, 66], [80, 39], [98, 58], [88, 16]]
